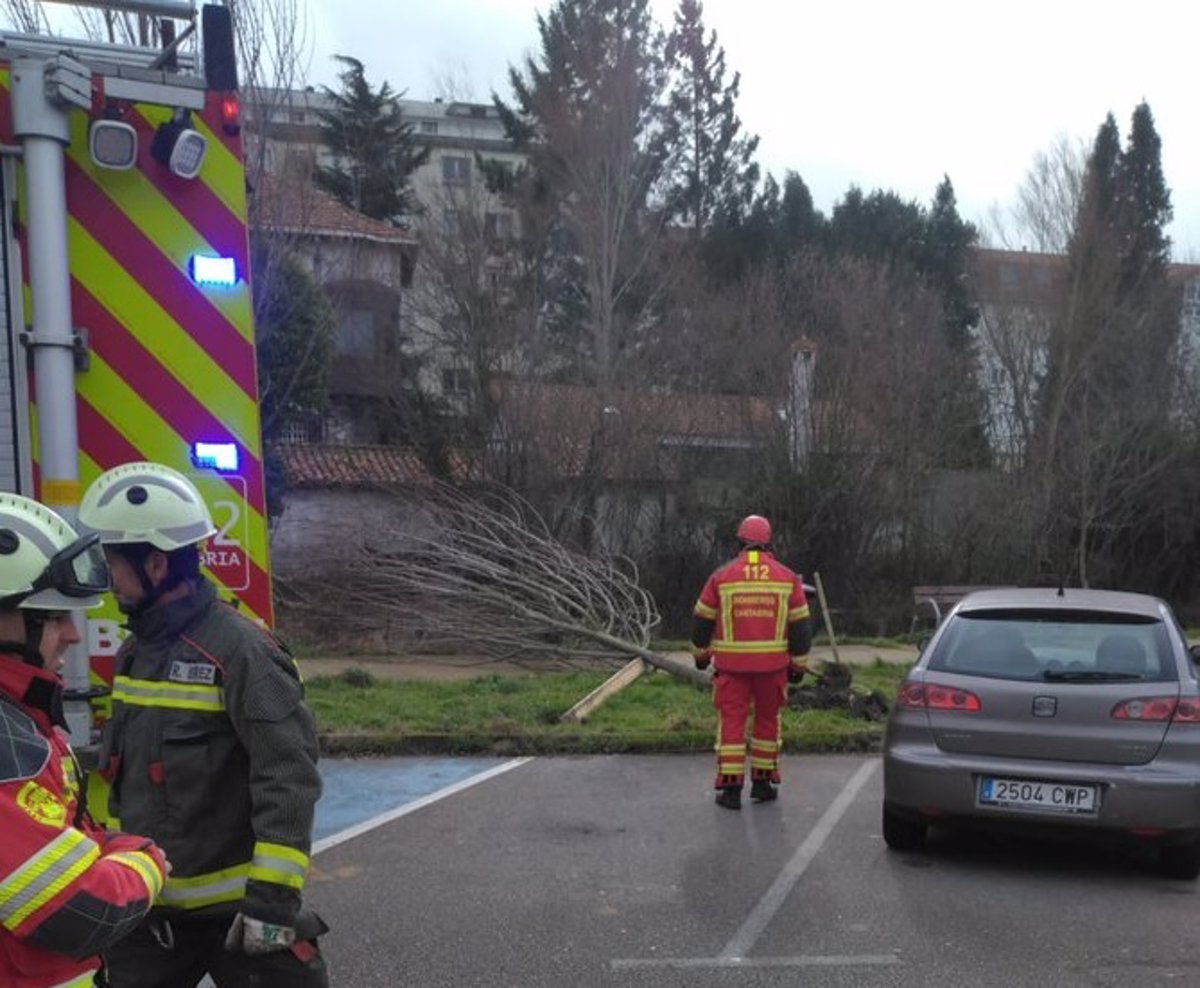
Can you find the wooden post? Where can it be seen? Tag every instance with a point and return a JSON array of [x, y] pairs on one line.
[[825, 615], [614, 684]]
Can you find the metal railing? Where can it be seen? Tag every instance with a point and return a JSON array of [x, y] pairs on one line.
[[179, 9], [93, 52]]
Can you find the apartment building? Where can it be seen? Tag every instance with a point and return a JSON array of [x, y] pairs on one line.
[[393, 319], [1018, 293]]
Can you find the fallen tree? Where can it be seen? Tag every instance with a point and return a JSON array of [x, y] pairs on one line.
[[481, 573]]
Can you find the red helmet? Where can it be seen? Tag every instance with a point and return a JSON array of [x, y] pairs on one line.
[[754, 530]]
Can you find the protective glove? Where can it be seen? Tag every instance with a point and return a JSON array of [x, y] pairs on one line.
[[702, 658], [253, 936], [796, 673]]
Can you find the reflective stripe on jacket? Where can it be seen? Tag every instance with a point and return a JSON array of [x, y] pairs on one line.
[[67, 890], [753, 602]]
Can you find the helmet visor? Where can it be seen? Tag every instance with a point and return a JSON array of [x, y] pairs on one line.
[[76, 573]]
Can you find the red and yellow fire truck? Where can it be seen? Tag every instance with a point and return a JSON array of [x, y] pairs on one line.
[[124, 285]]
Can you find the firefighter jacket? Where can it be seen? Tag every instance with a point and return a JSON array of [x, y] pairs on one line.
[[752, 614], [212, 751], [68, 890]]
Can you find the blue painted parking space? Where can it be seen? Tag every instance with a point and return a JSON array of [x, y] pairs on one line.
[[360, 789]]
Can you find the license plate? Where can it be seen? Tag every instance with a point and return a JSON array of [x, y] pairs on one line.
[[1056, 797]]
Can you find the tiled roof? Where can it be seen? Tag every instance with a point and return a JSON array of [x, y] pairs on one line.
[[628, 435], [294, 205], [1025, 277], [321, 465], [667, 414], [638, 435]]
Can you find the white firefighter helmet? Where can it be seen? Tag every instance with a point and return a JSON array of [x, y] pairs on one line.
[[44, 564], [145, 502]]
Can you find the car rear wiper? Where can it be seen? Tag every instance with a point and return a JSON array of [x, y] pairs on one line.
[[1088, 676]]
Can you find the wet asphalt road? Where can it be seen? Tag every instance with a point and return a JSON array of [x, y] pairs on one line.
[[619, 871]]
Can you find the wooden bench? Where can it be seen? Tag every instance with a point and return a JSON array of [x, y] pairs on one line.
[[939, 598]]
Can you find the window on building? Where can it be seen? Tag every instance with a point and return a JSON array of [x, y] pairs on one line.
[[429, 127], [1191, 294], [451, 222], [300, 431], [456, 381], [498, 226], [356, 333], [456, 170], [495, 281]]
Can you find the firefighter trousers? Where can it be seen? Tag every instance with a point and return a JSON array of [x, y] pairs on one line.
[[734, 693], [180, 953]]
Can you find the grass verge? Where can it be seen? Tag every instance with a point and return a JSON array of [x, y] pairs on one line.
[[517, 715]]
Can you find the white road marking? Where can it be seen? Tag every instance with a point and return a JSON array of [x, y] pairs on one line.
[[809, 960], [378, 821], [743, 941], [734, 954]]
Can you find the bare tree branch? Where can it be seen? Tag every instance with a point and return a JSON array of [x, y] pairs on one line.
[[482, 573]]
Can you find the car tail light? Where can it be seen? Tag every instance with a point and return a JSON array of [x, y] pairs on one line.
[[930, 696], [1159, 708]]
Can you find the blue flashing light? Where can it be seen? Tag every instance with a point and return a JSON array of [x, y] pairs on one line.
[[222, 457], [217, 272]]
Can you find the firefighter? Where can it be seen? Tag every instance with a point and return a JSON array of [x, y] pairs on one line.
[[210, 749], [68, 890], [751, 621]]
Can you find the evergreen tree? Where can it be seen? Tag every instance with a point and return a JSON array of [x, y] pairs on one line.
[[935, 243], [294, 341], [1105, 405], [1098, 199], [374, 149], [948, 243], [294, 327], [715, 172], [1145, 205], [944, 264], [797, 223], [779, 222], [738, 244], [931, 246], [880, 227], [1121, 319], [588, 113]]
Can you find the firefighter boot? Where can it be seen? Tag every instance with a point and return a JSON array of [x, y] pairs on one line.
[[730, 797], [761, 791]]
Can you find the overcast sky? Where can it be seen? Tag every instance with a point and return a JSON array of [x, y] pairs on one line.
[[883, 95]]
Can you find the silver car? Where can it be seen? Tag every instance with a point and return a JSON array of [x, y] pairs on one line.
[[1043, 709]]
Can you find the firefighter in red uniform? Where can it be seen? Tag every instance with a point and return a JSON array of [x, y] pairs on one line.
[[751, 620], [67, 889]]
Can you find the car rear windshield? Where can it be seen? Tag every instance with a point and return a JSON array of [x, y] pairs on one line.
[[1056, 646]]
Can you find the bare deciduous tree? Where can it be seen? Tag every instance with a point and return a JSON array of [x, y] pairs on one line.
[[482, 573], [589, 115], [1043, 217], [28, 16]]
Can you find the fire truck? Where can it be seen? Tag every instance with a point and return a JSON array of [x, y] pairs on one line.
[[124, 288]]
